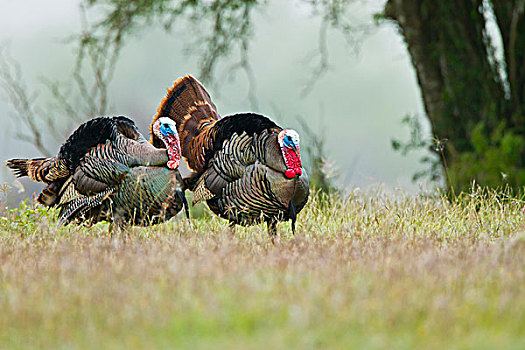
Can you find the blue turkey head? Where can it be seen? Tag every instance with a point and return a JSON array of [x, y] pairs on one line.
[[166, 130]]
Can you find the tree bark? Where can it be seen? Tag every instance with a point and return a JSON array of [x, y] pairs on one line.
[[456, 68], [510, 18]]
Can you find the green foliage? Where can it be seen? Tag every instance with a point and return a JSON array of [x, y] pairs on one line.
[[495, 159], [27, 219]]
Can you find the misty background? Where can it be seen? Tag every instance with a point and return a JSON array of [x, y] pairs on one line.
[[358, 104]]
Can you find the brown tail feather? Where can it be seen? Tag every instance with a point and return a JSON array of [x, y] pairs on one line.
[[182, 101], [19, 166], [49, 195], [37, 169], [197, 135]]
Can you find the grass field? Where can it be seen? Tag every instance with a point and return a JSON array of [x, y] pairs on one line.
[[366, 271]]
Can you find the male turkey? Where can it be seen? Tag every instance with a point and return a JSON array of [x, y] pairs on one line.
[[246, 167], [106, 170]]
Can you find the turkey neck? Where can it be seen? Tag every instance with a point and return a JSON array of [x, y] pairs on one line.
[[268, 150], [146, 154]]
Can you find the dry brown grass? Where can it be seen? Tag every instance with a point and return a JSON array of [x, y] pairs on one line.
[[362, 272]]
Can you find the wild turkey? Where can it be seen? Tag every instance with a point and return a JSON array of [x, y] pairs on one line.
[[106, 170], [246, 167]]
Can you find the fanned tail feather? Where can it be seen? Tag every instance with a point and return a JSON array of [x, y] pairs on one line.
[[19, 166], [37, 169], [189, 105], [49, 195], [184, 93], [43, 170]]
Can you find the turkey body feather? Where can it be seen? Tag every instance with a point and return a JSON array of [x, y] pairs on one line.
[[238, 161], [106, 170], [244, 182]]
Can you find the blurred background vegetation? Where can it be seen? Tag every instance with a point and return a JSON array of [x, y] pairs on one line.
[[473, 90], [468, 58]]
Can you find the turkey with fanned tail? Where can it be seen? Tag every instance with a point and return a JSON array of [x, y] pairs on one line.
[[247, 168], [106, 170]]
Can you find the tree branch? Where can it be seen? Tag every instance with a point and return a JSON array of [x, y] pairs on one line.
[[11, 81]]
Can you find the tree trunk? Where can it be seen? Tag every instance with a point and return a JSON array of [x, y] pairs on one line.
[[511, 22], [456, 69]]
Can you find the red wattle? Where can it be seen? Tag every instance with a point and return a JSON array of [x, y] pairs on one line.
[[173, 164], [298, 171], [289, 173]]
